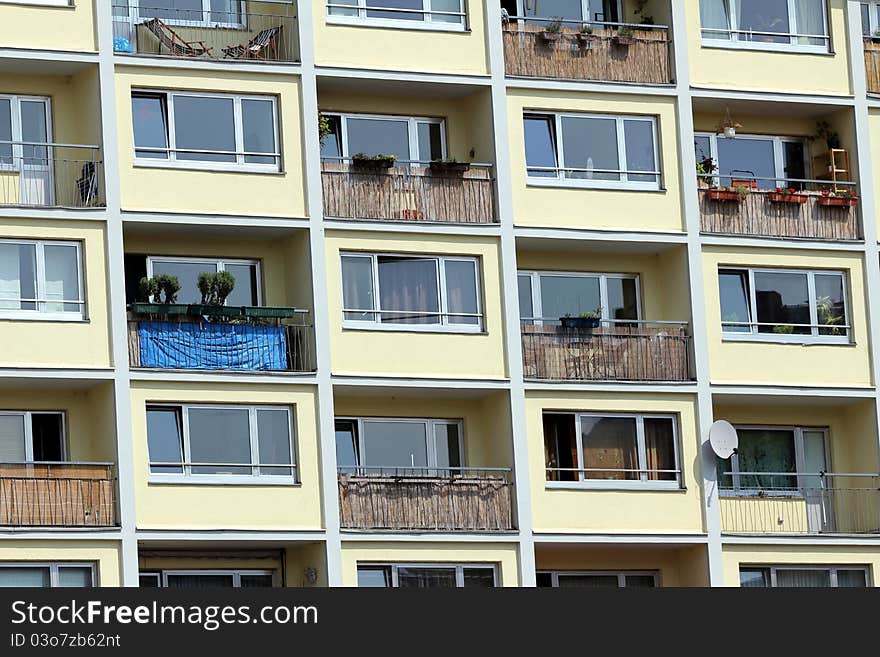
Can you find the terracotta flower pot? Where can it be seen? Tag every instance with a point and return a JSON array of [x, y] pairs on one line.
[[838, 201], [785, 197], [723, 195]]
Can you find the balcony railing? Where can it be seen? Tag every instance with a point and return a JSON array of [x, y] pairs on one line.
[[48, 174], [872, 65], [229, 338], [800, 503], [409, 191], [818, 210], [57, 495], [613, 351], [587, 51], [261, 31], [439, 499]]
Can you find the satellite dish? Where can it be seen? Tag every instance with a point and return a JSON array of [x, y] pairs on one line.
[[723, 439]]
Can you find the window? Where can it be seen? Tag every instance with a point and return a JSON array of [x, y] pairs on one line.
[[766, 24], [41, 280], [190, 579], [802, 451], [223, 132], [187, 270], [870, 18], [612, 450], [784, 305], [770, 162], [596, 579], [432, 14], [427, 576], [545, 297], [411, 292], [207, 443], [572, 12], [409, 139], [375, 444], [29, 436], [47, 575], [803, 576], [209, 13], [24, 121], [592, 150]]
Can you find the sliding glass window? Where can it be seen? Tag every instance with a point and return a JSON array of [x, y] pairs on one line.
[[426, 576], [431, 14], [799, 25], [546, 297]]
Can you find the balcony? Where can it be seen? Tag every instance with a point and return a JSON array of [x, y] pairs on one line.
[[603, 52], [613, 351], [816, 210], [196, 337], [415, 192], [872, 65], [51, 175], [436, 499], [255, 31], [46, 494], [810, 504]]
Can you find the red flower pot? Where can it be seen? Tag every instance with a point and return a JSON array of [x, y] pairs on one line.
[[784, 197], [723, 195], [838, 201]]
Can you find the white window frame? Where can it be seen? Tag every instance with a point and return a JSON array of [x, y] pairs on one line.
[[459, 569], [585, 11], [537, 304], [831, 569], [427, 22], [560, 180], [642, 483], [15, 101], [814, 338], [444, 325], [41, 300], [239, 165], [256, 476], [53, 566], [430, 425], [731, 37], [39, 3], [29, 432], [136, 17], [620, 574], [798, 438], [873, 9], [221, 264], [236, 574], [412, 122], [778, 152]]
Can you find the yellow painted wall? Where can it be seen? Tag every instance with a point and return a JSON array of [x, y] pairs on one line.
[[503, 556], [733, 556], [565, 207], [793, 364], [626, 511], [61, 28], [308, 555], [201, 506], [105, 554], [720, 67], [468, 118], [680, 566], [147, 188], [401, 49], [83, 343], [874, 131], [401, 353]]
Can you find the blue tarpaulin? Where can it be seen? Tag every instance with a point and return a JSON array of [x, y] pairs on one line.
[[207, 346]]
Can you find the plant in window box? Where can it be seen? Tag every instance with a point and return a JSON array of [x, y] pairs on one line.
[[729, 194], [215, 288], [150, 295], [364, 162], [841, 198], [787, 195], [552, 31], [586, 320], [705, 169], [448, 167], [585, 37], [624, 38]]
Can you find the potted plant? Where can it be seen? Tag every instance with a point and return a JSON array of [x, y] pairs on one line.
[[364, 162], [585, 37], [552, 31], [824, 131], [826, 316], [625, 37], [324, 128], [783, 329], [158, 295], [705, 169], [789, 195], [448, 166], [586, 320], [645, 19], [841, 198], [729, 194]]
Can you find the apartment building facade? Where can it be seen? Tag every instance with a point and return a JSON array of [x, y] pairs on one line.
[[439, 292]]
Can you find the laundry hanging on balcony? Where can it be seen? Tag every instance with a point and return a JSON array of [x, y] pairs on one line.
[[209, 346]]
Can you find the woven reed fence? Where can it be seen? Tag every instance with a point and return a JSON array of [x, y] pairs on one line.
[[755, 214], [872, 65], [614, 353], [645, 60]]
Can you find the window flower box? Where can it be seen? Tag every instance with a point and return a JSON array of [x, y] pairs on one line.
[[622, 41], [448, 168], [549, 37], [374, 163], [585, 40], [580, 322], [141, 308], [723, 195], [787, 196], [830, 201]]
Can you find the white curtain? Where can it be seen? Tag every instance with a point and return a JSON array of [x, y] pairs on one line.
[[10, 276], [714, 16], [62, 279], [810, 17], [12, 448]]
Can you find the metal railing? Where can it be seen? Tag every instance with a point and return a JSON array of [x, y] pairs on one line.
[[263, 31], [819, 209], [625, 350], [587, 50], [765, 37], [425, 498], [50, 494], [50, 174], [599, 476], [410, 191], [221, 343], [800, 503]]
